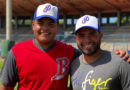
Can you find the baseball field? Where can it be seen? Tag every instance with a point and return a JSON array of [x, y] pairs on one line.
[[1, 63]]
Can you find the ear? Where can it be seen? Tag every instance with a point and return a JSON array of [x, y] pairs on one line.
[[75, 37], [33, 22], [100, 36]]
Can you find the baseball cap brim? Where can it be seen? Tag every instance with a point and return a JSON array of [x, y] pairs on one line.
[[46, 16], [85, 27]]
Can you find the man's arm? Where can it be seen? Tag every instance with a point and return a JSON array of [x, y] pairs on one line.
[[9, 75]]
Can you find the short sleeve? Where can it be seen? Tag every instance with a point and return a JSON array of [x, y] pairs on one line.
[[9, 75]]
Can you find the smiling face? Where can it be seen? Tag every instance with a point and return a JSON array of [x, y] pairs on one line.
[[44, 30], [88, 40]]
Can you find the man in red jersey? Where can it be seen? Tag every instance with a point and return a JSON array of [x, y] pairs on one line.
[[42, 63]]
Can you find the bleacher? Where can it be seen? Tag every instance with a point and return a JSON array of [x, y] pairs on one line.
[[120, 39], [108, 29], [18, 35], [114, 37], [125, 28]]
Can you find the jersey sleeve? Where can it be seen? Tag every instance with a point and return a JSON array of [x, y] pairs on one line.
[[77, 53], [9, 75], [124, 71]]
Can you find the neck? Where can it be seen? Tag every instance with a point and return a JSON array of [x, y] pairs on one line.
[[92, 58], [43, 45]]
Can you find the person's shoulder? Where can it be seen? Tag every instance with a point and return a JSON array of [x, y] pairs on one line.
[[63, 45], [114, 57], [76, 62], [109, 58], [21, 44], [77, 59]]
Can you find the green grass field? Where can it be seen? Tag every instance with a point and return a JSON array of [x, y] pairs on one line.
[[1, 64]]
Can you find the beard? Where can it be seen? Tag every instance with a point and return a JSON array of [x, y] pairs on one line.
[[90, 51]]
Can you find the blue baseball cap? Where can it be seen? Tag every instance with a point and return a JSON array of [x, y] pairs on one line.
[[87, 21], [46, 10]]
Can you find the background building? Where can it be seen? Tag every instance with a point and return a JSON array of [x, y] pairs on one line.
[[114, 19]]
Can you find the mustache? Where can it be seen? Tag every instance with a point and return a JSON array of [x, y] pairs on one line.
[[88, 44]]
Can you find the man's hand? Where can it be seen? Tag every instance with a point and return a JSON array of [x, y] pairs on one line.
[[123, 55]]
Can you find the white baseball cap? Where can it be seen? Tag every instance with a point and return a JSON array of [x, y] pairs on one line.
[[47, 10], [87, 21]]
